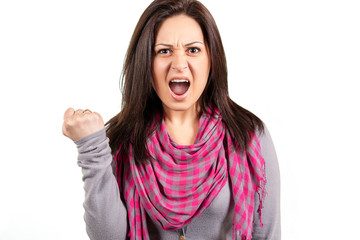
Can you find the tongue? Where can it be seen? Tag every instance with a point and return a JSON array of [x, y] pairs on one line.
[[179, 88]]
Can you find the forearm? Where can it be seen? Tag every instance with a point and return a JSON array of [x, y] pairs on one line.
[[105, 213]]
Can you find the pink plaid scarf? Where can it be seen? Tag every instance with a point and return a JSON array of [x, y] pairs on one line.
[[182, 181]]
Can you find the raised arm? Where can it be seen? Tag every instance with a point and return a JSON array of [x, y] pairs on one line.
[[105, 213]]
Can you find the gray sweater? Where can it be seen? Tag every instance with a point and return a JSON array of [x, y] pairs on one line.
[[106, 216]]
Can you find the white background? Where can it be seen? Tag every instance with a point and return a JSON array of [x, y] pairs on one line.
[[296, 64]]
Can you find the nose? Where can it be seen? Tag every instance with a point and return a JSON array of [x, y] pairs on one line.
[[179, 62]]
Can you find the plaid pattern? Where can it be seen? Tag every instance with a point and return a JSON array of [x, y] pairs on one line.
[[182, 181]]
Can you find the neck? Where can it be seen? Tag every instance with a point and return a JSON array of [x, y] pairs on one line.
[[185, 117], [182, 126]]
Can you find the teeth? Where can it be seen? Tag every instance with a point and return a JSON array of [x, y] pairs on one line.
[[179, 80]]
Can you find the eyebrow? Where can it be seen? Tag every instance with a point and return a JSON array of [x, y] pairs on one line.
[[170, 45]]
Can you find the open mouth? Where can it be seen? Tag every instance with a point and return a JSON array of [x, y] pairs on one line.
[[179, 86]]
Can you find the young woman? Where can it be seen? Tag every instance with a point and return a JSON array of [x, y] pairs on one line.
[[181, 160]]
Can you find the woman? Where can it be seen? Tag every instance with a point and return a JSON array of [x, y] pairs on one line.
[[189, 163]]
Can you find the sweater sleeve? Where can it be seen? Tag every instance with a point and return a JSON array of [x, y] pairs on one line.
[[271, 229], [105, 214]]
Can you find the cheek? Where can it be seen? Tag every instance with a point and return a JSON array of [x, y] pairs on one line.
[[202, 70], [159, 70], [156, 74], [160, 64], [159, 77]]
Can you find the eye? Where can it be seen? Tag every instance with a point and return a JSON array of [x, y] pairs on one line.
[[193, 50], [164, 51]]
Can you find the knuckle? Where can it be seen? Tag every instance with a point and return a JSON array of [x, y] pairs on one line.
[[96, 116], [78, 118]]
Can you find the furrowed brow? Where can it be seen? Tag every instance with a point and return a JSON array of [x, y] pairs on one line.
[[164, 44], [188, 44], [170, 45]]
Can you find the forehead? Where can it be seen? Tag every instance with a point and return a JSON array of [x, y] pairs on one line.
[[179, 28]]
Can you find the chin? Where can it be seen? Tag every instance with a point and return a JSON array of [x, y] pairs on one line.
[[179, 106]]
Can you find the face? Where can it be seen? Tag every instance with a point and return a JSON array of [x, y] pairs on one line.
[[181, 64]]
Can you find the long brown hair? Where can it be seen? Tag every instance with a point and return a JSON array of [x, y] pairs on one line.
[[140, 103]]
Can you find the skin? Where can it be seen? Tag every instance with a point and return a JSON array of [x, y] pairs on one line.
[[78, 124], [181, 53]]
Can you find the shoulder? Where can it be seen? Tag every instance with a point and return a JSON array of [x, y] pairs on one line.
[[265, 139], [268, 152], [267, 149]]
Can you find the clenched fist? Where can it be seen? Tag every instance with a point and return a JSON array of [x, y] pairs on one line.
[[79, 123]]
